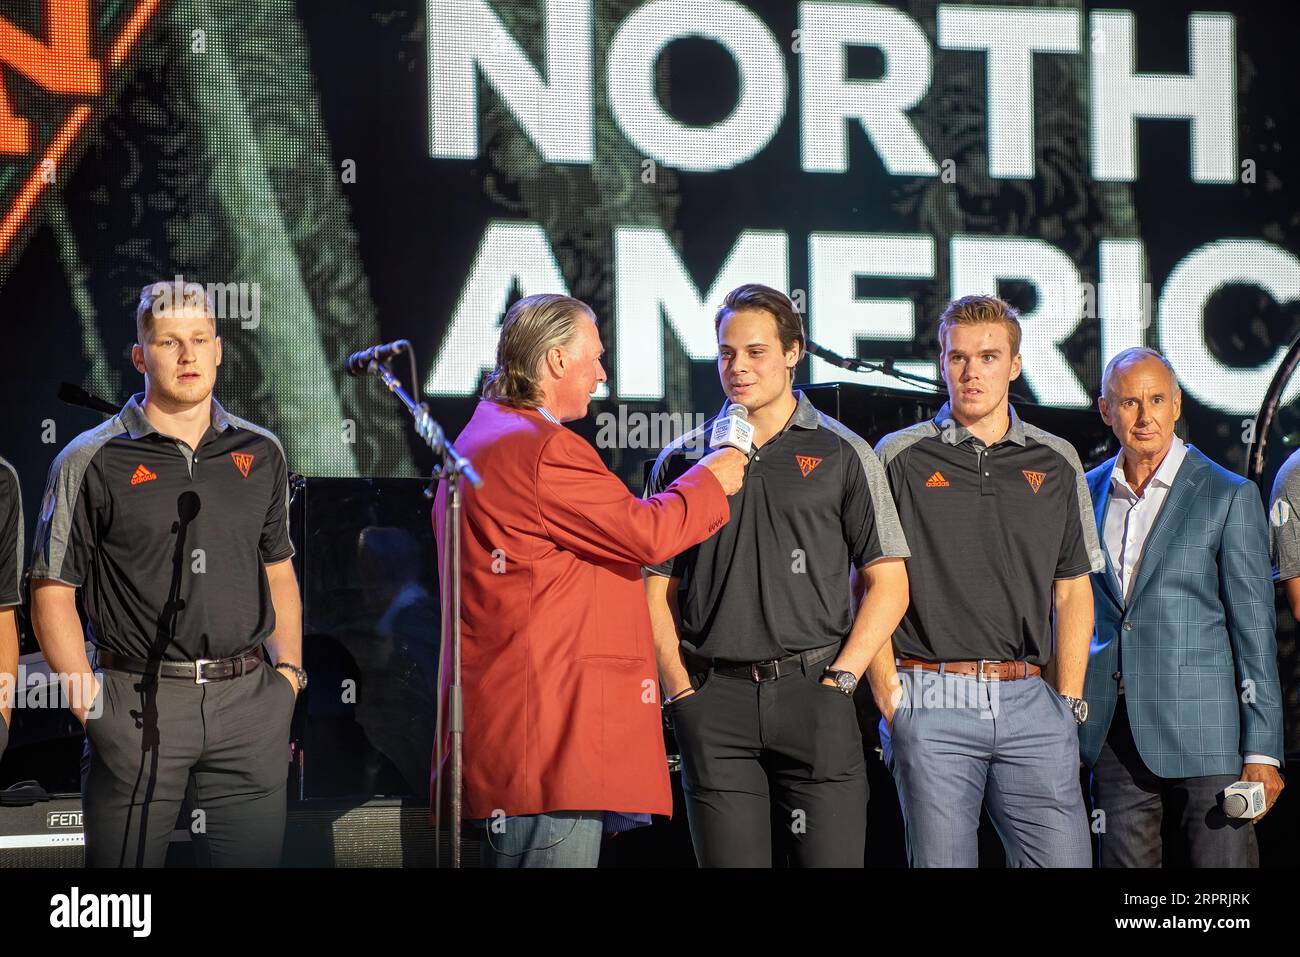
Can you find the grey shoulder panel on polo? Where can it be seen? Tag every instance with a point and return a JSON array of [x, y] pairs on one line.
[[893, 542], [62, 489], [895, 443]]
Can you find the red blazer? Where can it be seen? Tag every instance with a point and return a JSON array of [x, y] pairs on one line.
[[562, 704]]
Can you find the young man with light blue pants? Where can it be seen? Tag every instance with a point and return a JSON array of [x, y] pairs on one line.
[[1000, 527]]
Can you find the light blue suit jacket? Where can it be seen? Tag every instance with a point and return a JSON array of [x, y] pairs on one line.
[[1196, 640]]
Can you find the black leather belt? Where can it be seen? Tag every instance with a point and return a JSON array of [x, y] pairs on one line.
[[200, 672], [770, 670]]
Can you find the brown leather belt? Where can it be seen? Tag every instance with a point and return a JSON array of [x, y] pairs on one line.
[[983, 669]]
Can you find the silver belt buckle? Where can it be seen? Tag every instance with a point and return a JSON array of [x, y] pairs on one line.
[[979, 673], [198, 670]]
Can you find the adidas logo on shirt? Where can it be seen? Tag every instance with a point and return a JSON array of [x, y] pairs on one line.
[[142, 474]]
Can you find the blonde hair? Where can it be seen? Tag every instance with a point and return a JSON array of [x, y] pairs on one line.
[[533, 327], [164, 296], [978, 310]]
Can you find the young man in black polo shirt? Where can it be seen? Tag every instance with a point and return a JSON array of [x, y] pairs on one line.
[[172, 518], [758, 644], [1003, 540], [11, 578]]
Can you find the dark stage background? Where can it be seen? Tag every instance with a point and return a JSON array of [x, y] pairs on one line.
[[356, 172]]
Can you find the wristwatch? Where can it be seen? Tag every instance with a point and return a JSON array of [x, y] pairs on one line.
[[1078, 707], [297, 673], [845, 681]]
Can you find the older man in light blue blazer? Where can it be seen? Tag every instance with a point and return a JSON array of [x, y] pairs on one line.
[[1182, 682]]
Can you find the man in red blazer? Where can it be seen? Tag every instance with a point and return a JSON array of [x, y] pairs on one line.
[[563, 737]]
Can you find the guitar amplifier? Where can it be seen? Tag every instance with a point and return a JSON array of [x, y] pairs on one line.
[[380, 832], [42, 834]]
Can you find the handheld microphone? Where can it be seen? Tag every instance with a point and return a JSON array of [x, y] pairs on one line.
[[1243, 800], [359, 362], [733, 430]]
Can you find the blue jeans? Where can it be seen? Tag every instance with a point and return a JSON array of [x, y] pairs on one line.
[[1011, 746], [558, 839]]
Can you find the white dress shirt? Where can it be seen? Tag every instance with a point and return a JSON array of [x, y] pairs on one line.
[[1128, 523], [1130, 517]]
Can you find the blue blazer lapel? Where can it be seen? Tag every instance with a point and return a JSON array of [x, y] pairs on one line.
[[1100, 499], [1187, 480]]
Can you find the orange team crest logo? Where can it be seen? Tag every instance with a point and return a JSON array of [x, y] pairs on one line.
[[243, 462], [807, 463], [142, 475], [1035, 479], [936, 480]]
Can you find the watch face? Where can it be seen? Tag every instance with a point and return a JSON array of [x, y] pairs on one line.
[[846, 682], [1078, 707]]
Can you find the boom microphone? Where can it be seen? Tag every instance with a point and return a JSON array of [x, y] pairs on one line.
[[885, 366], [76, 395], [359, 362], [834, 358], [733, 430]]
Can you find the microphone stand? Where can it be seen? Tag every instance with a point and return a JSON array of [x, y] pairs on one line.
[[452, 468]]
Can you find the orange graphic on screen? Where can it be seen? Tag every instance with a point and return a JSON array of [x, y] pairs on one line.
[[62, 64]]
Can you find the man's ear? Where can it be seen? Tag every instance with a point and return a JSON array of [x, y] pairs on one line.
[[1104, 409], [555, 361], [137, 358], [1015, 367], [218, 340], [790, 364]]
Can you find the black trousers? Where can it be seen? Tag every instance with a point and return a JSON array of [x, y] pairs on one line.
[[221, 748], [781, 756], [1136, 804]]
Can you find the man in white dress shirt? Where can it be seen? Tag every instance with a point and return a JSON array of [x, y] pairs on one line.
[[1182, 683]]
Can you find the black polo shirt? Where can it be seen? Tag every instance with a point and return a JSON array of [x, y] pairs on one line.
[[991, 528], [774, 580], [168, 545], [11, 537]]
